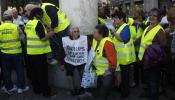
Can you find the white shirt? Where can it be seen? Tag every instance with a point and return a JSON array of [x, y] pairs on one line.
[[18, 21]]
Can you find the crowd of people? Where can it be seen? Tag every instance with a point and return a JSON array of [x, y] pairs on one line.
[[124, 50]]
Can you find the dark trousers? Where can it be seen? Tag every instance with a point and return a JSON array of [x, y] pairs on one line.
[[56, 43], [104, 85], [39, 73], [136, 73], [125, 90], [1, 72], [152, 76], [9, 61]]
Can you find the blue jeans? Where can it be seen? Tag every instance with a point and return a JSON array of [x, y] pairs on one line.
[[9, 61], [56, 44]]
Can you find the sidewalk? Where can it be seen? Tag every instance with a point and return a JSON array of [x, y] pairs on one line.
[[63, 94]]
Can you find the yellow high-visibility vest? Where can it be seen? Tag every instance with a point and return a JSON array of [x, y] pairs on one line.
[[146, 21], [130, 21], [101, 63], [34, 45], [63, 20], [9, 39], [102, 21], [136, 33], [147, 39], [125, 52]]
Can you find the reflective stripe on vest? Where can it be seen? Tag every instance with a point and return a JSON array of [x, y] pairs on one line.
[[9, 39], [34, 45], [147, 39], [101, 63], [63, 20], [125, 52]]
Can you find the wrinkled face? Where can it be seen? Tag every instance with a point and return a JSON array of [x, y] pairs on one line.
[[28, 10], [153, 17], [75, 33], [15, 13]]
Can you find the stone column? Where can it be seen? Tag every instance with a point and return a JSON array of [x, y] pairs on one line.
[[149, 4], [84, 14]]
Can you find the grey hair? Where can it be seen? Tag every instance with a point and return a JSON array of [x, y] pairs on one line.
[[72, 28]]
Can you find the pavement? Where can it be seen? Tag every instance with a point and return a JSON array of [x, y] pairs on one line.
[[63, 94]]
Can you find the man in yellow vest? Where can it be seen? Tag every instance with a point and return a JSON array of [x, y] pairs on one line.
[[10, 47], [37, 49], [57, 24], [101, 16], [124, 48]]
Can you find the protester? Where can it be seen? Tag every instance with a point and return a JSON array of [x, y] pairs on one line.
[[52, 17], [151, 53], [137, 30], [37, 49], [125, 49], [75, 57], [171, 39], [105, 61], [11, 55], [101, 16]]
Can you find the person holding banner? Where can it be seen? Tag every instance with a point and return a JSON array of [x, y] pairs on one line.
[[75, 57]]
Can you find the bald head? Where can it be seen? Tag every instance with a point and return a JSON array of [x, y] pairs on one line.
[[28, 8]]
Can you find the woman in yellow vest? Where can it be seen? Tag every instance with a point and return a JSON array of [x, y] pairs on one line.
[[105, 61], [124, 48], [37, 49], [151, 53], [11, 56]]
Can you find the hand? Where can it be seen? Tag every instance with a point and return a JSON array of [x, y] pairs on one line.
[[106, 74], [49, 35], [62, 68]]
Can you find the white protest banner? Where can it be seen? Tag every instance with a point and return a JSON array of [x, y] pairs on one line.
[[76, 51]]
